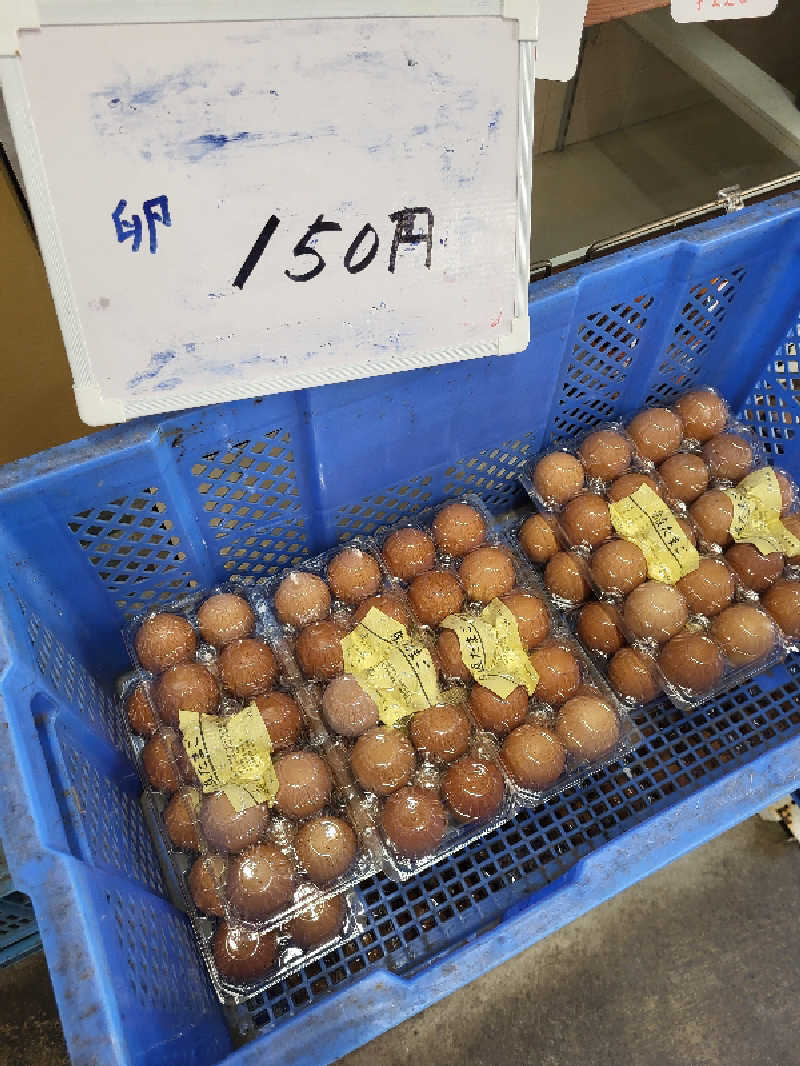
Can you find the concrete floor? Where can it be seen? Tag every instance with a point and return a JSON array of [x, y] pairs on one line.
[[696, 966]]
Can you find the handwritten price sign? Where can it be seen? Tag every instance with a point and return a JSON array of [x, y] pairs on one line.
[[711, 10]]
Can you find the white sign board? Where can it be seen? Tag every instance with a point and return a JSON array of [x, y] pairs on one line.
[[234, 208]]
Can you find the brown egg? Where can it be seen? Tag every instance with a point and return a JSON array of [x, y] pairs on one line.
[[473, 789], [225, 617], [783, 603], [559, 674], [531, 614], [414, 821], [260, 880], [599, 627], [617, 567], [628, 484], [451, 662], [165, 761], [728, 456], [304, 784], [248, 667], [586, 521], [686, 529], [539, 538], [712, 514], [496, 714], [656, 433], [587, 727], [434, 596], [692, 661], [227, 829], [408, 552], [326, 848], [792, 523], [185, 687], [302, 598], [141, 716], [709, 588], [558, 477], [282, 717], [347, 708], [458, 529], [685, 476], [164, 640], [353, 575], [703, 414], [392, 604], [383, 760], [565, 576], [318, 923], [441, 733], [744, 633], [182, 819], [208, 879], [486, 573], [655, 611], [243, 954], [632, 674], [605, 454], [787, 491], [754, 570], [533, 757], [319, 649]]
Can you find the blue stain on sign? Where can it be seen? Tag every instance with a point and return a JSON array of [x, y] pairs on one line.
[[158, 360], [209, 143]]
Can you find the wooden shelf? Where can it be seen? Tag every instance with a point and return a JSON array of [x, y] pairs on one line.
[[605, 10]]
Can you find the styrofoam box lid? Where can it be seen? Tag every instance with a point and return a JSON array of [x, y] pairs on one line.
[[234, 208]]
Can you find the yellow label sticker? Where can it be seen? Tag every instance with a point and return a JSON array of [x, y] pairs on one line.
[[492, 651], [645, 520], [396, 670], [232, 754], [757, 506]]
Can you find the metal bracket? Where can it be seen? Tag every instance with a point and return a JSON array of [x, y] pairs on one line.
[[731, 198]]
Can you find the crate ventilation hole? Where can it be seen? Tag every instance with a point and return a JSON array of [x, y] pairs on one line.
[[773, 410]]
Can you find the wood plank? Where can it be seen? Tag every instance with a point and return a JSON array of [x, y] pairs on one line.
[[605, 10]]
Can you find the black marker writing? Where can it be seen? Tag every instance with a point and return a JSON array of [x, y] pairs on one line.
[[404, 233]]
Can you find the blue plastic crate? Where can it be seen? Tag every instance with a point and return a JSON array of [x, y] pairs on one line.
[[134, 516]]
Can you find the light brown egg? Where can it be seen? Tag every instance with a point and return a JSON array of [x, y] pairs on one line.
[[566, 577], [600, 628], [655, 611], [728, 456], [414, 821], [182, 819], [531, 614], [165, 761], [347, 708], [319, 649], [559, 674], [605, 454], [486, 573], [383, 760], [458, 528], [185, 687], [586, 521], [539, 538], [783, 603], [712, 514], [587, 727], [656, 433], [304, 784], [533, 757], [792, 523], [744, 633], [558, 477], [628, 484], [353, 575], [260, 881], [617, 567], [208, 879], [692, 661], [703, 414], [451, 661], [326, 848], [435, 595], [302, 598], [496, 714], [754, 570], [685, 476], [632, 675], [225, 617], [282, 717], [408, 552], [227, 829], [141, 716], [164, 640], [318, 923], [473, 789], [441, 733], [686, 528], [392, 604], [248, 667], [709, 588], [787, 491], [242, 953]]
